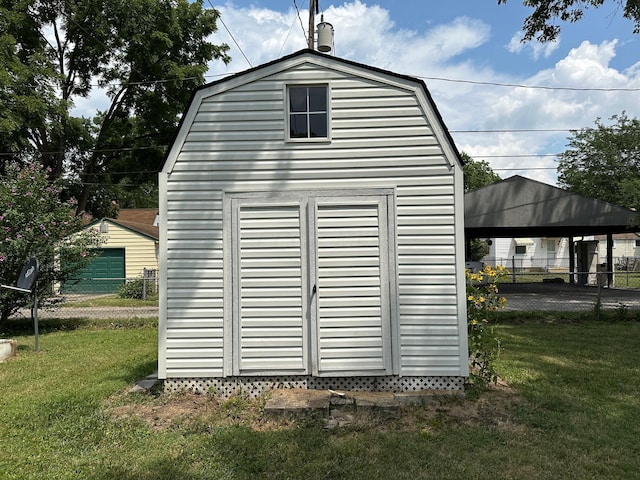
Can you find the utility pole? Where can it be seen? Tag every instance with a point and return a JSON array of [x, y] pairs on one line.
[[313, 9]]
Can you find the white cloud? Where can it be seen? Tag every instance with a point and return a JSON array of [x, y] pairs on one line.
[[588, 66], [537, 50], [572, 104], [363, 33], [568, 104]]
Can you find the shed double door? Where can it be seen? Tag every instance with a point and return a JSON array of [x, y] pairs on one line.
[[312, 285]]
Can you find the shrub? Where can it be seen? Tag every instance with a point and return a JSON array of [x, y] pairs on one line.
[[135, 289], [482, 302], [35, 222]]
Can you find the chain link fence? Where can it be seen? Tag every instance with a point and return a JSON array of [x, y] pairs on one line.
[[562, 296], [539, 284], [100, 298], [525, 290]]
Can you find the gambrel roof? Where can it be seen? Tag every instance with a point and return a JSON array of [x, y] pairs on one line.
[[316, 58]]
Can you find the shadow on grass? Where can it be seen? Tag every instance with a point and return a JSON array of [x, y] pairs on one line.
[[139, 371], [24, 326]]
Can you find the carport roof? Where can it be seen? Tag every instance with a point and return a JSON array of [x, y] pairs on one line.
[[521, 207]]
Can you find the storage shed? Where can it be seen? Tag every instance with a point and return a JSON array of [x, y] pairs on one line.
[[311, 234]]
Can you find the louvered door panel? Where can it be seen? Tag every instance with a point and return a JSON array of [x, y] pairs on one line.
[[351, 262], [270, 289]]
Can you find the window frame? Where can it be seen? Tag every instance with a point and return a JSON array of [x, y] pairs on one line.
[[288, 113]]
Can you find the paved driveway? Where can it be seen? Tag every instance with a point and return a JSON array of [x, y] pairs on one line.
[[564, 297]]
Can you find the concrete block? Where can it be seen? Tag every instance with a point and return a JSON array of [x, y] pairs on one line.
[[8, 349]]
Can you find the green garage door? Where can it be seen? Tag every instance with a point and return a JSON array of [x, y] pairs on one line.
[[104, 275]]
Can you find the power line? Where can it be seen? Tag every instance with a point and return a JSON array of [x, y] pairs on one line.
[[230, 34], [519, 169], [539, 87], [451, 80], [518, 155], [517, 130], [97, 150], [442, 79], [304, 32]]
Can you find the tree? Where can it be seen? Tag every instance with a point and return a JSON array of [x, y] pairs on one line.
[[147, 54], [477, 174], [541, 23], [604, 162], [35, 223], [26, 94]]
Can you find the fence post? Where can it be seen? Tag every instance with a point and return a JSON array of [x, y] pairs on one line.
[[627, 270], [144, 284], [513, 268]]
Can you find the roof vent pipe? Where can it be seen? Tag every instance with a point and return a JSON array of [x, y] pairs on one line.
[[325, 36]]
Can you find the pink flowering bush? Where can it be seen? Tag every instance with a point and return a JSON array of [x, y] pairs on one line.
[[34, 222]]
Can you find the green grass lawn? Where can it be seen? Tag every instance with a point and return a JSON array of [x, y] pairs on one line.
[[573, 411], [112, 301]]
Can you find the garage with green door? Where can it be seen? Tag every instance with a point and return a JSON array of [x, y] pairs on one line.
[[103, 275]]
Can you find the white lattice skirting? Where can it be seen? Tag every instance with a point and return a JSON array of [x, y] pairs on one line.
[[256, 386]]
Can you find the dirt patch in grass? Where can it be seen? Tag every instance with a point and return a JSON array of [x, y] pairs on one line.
[[197, 412], [494, 408]]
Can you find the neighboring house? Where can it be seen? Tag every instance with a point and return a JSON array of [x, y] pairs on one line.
[[311, 234], [626, 249], [130, 247], [552, 254], [538, 254]]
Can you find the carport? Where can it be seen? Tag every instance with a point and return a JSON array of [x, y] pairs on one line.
[[519, 207]]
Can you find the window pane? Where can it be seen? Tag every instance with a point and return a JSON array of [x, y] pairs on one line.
[[298, 126], [317, 99], [298, 99], [318, 125]]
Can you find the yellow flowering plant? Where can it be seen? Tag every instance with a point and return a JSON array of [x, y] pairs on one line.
[[482, 301]]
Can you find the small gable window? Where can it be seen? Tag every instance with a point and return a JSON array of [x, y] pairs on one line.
[[308, 112]]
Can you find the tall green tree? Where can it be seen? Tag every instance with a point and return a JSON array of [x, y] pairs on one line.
[[477, 173], [542, 24], [27, 93], [604, 162], [147, 54]]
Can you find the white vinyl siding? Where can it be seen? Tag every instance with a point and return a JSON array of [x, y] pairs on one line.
[[384, 135]]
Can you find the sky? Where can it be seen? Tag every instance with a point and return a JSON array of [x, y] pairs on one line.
[[509, 103]]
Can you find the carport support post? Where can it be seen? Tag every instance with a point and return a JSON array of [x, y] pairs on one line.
[[572, 261], [609, 260]]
